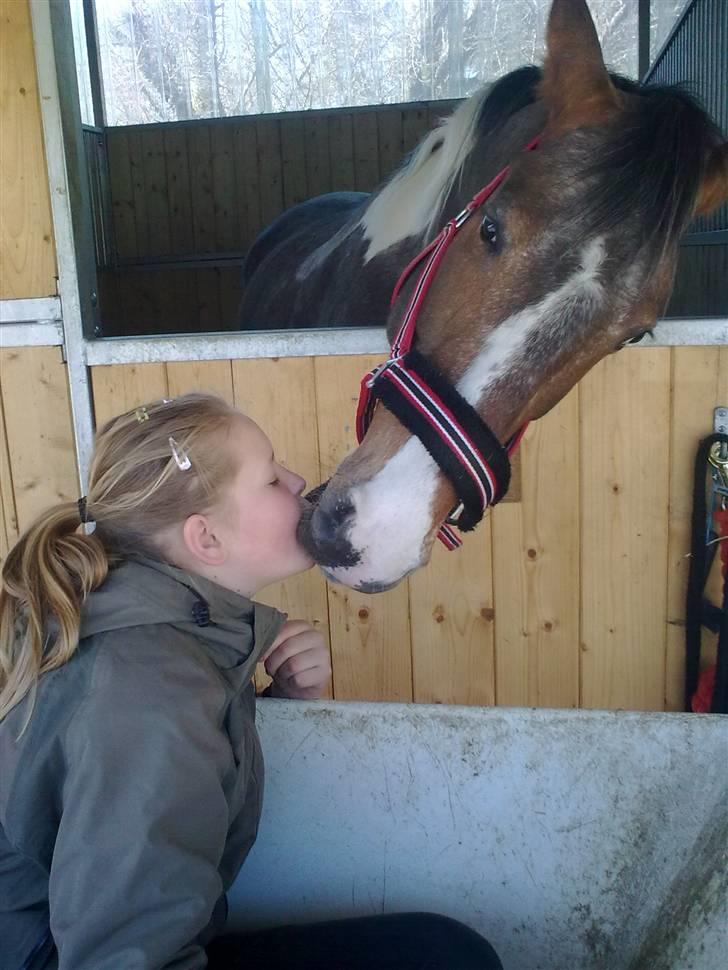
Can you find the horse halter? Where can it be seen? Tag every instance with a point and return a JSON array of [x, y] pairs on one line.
[[430, 407]]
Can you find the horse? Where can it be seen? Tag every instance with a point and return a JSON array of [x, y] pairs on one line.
[[571, 257]]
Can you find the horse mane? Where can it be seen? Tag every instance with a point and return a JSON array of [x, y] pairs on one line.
[[411, 202], [628, 169]]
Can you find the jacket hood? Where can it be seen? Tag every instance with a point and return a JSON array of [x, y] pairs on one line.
[[144, 592]]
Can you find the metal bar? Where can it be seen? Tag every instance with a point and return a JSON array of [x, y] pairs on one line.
[[43, 309], [186, 260], [344, 341], [446, 105], [68, 284], [713, 237], [661, 53], [94, 61], [643, 38], [41, 334], [227, 346]]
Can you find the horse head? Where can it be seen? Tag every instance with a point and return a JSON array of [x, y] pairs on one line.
[[570, 258]]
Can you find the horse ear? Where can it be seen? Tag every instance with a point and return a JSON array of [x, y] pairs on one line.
[[575, 86], [713, 189]]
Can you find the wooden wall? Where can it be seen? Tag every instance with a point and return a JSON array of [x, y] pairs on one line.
[[212, 186], [27, 255], [572, 596], [37, 452], [196, 189]]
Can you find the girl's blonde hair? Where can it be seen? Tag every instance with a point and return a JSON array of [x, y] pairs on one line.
[[151, 468]]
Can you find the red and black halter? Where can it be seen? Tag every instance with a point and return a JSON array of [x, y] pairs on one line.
[[430, 407]]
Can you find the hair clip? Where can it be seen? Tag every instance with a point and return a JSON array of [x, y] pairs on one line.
[[180, 455], [141, 414]]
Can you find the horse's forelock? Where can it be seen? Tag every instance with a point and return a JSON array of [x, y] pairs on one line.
[[649, 164]]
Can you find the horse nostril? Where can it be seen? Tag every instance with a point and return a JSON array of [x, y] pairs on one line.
[[323, 531], [329, 520]]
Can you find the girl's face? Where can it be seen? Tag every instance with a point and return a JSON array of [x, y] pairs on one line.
[[255, 522]]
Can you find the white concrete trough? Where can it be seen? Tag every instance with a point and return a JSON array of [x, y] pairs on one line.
[[573, 840]]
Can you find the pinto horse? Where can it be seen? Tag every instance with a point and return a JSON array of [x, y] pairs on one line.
[[571, 256]]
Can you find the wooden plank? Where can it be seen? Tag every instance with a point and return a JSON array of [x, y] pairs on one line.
[[209, 311], [179, 194], [536, 569], [214, 376], [624, 442], [224, 188], [187, 316], [370, 635], [415, 125], [39, 437], [318, 163], [699, 384], [203, 203], [391, 151], [366, 151], [122, 193], [293, 159], [27, 253], [341, 152], [155, 193], [451, 616], [120, 387], [245, 150], [141, 215], [269, 173], [8, 515], [290, 383], [230, 281]]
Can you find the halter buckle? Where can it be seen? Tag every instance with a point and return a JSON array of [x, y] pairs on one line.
[[455, 514], [378, 371]]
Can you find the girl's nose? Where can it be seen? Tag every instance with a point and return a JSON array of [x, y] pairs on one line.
[[297, 484]]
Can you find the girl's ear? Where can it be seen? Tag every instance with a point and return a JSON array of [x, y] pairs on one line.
[[201, 541]]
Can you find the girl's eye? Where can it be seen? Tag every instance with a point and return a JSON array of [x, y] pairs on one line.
[[276, 481], [489, 232]]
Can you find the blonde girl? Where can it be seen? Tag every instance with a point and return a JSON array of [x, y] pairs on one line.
[[131, 774]]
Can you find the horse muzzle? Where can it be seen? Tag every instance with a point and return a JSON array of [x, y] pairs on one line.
[[324, 526]]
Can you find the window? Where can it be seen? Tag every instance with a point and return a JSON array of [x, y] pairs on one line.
[[172, 61]]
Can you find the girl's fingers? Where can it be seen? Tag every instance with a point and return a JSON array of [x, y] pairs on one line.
[[303, 642], [293, 667], [290, 628]]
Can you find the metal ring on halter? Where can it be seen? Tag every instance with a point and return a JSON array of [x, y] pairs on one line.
[[454, 516]]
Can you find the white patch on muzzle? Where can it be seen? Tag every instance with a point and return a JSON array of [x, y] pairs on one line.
[[393, 510], [392, 516]]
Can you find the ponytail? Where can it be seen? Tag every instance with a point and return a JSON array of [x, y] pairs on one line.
[[46, 576]]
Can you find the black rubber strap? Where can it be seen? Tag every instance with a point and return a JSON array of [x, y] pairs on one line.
[[491, 450], [701, 558]]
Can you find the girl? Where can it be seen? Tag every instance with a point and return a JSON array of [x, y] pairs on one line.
[[131, 781]]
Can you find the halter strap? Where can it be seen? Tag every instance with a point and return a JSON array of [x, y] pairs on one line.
[[430, 407]]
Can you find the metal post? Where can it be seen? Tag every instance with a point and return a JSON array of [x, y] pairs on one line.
[[68, 283], [94, 62], [643, 34]]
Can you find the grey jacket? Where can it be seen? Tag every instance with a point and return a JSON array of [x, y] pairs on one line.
[[132, 798]]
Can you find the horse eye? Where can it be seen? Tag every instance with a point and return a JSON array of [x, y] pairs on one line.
[[636, 339], [489, 232]]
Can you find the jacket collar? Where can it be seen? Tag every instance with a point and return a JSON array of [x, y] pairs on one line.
[[234, 629]]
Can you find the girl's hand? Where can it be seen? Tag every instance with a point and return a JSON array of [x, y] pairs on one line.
[[298, 661]]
